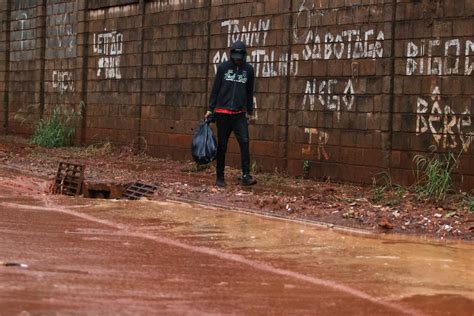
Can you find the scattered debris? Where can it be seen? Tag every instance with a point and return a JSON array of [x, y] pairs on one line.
[[448, 228], [385, 224], [13, 264], [343, 205]]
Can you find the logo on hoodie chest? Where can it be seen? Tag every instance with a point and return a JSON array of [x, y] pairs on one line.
[[236, 77]]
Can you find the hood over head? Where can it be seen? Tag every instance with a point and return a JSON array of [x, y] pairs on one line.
[[238, 50]]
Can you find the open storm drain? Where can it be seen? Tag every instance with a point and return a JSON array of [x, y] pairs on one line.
[[139, 190], [70, 181], [133, 191]]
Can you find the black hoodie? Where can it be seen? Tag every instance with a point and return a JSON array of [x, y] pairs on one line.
[[233, 85]]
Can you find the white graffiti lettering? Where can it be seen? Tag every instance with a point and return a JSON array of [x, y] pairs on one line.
[[267, 63], [253, 34], [449, 130], [109, 44], [303, 20], [321, 138], [63, 81], [350, 44], [329, 98], [65, 33], [255, 109], [23, 17], [434, 57]]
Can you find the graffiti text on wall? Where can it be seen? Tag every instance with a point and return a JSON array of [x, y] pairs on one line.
[[325, 91], [109, 45], [452, 57], [23, 17], [347, 44], [267, 63], [61, 19], [65, 35], [350, 44], [253, 34], [321, 139], [23, 32], [449, 129], [63, 81]]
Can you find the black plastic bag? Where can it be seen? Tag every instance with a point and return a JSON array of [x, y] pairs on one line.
[[204, 146]]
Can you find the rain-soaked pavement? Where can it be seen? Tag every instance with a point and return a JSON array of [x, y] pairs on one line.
[[111, 257]]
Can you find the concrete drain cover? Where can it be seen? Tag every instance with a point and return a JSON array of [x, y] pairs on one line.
[[139, 190], [69, 179]]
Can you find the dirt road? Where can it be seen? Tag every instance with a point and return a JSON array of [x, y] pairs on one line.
[[112, 257]]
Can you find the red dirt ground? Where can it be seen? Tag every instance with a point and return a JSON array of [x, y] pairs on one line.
[[394, 211]]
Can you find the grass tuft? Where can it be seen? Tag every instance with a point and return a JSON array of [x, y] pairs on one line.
[[56, 130], [434, 175], [470, 203], [385, 191]]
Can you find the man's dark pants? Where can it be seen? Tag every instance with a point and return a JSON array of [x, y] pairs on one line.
[[226, 124]]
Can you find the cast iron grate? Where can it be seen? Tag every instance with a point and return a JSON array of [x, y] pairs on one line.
[[69, 179], [139, 190]]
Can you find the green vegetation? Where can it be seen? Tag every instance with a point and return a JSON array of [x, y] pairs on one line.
[[306, 167], [434, 175], [470, 203], [98, 149], [386, 192], [255, 168], [56, 130]]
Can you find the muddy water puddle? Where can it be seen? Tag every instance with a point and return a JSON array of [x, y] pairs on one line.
[[436, 277], [408, 269]]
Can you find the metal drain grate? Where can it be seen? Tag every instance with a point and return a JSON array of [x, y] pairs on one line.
[[139, 190], [69, 179]]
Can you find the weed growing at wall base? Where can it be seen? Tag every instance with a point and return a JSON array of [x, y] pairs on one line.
[[470, 203], [56, 130], [306, 168], [434, 175], [385, 192]]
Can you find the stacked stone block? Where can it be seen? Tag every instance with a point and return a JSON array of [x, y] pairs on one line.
[[113, 79], [4, 63], [434, 80], [263, 26], [174, 75], [25, 65], [347, 88], [62, 68], [340, 97]]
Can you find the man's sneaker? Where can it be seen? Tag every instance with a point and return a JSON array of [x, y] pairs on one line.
[[220, 182], [248, 180]]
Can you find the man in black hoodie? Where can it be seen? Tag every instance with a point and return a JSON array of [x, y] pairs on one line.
[[232, 102]]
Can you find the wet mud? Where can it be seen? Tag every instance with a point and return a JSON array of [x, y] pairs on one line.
[[396, 211], [146, 257]]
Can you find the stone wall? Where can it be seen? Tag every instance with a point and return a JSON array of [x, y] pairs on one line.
[[174, 73], [113, 85], [434, 80], [26, 63], [353, 87], [4, 63], [61, 72]]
